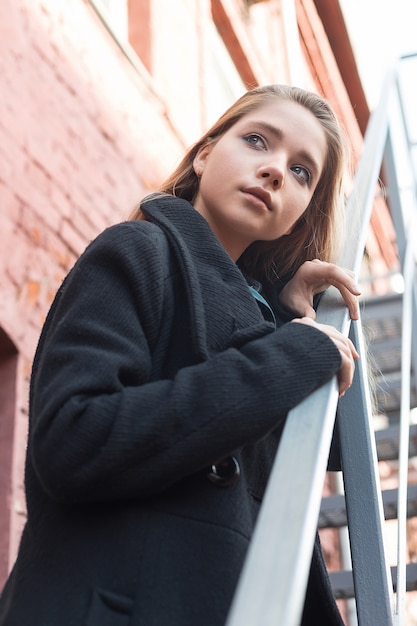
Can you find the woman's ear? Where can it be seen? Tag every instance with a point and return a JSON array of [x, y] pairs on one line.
[[201, 157]]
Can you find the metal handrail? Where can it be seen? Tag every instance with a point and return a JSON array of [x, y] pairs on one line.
[[272, 587], [409, 303], [408, 274]]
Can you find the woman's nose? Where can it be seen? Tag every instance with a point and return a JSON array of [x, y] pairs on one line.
[[274, 172]]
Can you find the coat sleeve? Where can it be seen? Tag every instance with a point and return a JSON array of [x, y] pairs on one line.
[[101, 428]]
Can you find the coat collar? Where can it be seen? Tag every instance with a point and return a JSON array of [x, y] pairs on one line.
[[220, 303]]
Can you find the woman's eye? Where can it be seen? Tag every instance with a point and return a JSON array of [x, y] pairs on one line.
[[302, 173], [255, 140]]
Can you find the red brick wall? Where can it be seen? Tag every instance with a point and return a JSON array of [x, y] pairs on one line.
[[80, 138]]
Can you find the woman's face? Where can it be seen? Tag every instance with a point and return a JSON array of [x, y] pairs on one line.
[[259, 177]]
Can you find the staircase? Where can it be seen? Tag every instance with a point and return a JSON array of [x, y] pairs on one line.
[[273, 582], [381, 319]]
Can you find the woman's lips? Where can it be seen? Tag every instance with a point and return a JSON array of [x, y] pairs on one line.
[[260, 194]]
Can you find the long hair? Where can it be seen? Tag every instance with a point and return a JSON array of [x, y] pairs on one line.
[[317, 232]]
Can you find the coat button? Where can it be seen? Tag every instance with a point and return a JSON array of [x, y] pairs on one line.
[[224, 473]]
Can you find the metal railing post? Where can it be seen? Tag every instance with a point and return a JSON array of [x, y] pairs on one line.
[[371, 574]]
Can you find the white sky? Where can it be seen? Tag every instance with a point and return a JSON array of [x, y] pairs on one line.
[[380, 31]]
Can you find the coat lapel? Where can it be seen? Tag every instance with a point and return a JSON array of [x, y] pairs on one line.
[[218, 297]]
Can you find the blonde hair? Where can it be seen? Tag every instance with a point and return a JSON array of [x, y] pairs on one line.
[[317, 232]]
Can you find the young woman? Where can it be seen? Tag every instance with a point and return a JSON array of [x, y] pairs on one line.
[[169, 359]]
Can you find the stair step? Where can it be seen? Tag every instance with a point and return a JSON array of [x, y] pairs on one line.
[[333, 508], [342, 582], [387, 442]]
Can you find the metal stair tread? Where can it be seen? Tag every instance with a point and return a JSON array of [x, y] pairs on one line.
[[333, 509], [387, 442], [342, 582]]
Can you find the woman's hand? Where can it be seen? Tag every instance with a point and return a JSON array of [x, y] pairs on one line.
[[346, 349], [314, 277]]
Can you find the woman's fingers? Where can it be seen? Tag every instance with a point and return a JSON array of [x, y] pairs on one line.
[[346, 349], [347, 370], [344, 280], [314, 277]]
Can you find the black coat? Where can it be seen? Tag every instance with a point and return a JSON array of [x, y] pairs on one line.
[[154, 364]]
